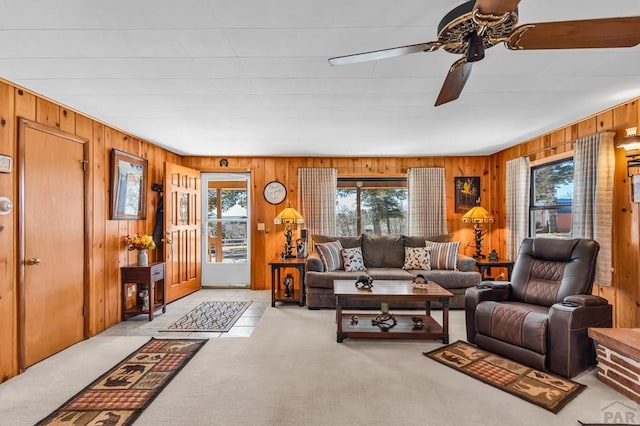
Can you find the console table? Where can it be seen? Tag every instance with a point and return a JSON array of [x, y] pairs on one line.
[[150, 278], [277, 265]]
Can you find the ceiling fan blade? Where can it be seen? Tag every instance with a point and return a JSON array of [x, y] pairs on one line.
[[455, 81], [584, 34], [384, 53], [496, 7]]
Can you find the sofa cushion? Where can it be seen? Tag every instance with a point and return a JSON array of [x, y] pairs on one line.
[[347, 242], [383, 251], [417, 258], [389, 274], [325, 279], [444, 255], [420, 241], [330, 255], [352, 259], [450, 279]]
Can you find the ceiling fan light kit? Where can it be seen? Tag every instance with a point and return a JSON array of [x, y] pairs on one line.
[[474, 26]]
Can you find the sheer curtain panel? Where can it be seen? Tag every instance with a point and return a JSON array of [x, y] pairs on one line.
[[594, 162], [317, 199], [427, 201], [517, 208]]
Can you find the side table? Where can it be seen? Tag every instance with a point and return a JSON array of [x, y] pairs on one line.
[[277, 293], [485, 265], [151, 277]]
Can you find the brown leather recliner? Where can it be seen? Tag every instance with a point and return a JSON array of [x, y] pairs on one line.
[[541, 317]]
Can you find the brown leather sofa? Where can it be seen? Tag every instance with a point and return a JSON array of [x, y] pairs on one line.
[[541, 317]]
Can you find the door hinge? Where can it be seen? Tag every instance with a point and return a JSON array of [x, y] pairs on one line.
[[85, 163]]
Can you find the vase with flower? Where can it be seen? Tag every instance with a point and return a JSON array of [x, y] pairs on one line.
[[141, 243]]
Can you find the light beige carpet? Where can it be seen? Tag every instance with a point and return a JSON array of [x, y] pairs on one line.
[[291, 371]]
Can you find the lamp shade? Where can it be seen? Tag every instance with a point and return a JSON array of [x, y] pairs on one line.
[[477, 215], [631, 142], [288, 215]]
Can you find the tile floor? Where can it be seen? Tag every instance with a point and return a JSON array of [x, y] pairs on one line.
[[141, 326]]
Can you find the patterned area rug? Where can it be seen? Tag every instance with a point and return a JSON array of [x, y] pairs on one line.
[[119, 396], [211, 316], [546, 390]]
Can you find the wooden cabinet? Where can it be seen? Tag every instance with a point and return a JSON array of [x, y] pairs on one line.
[[147, 280]]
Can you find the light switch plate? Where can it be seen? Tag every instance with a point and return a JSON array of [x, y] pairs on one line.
[[260, 226], [5, 164]]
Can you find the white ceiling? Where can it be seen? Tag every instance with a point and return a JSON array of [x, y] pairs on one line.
[[250, 77]]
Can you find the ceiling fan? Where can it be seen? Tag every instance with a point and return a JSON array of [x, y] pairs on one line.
[[476, 25]]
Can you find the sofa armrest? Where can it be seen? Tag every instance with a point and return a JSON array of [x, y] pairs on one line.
[[314, 263], [466, 263], [488, 290], [572, 350]]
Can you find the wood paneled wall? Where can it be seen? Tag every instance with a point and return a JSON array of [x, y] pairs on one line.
[[268, 243], [623, 294], [107, 250]]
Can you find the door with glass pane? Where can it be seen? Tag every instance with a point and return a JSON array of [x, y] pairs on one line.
[[226, 240]]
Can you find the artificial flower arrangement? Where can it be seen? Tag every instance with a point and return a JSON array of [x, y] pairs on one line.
[[139, 242]]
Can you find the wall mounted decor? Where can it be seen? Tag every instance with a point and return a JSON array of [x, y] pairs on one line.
[[467, 193], [128, 186]]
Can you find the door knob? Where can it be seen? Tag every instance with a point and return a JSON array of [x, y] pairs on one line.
[[167, 239], [32, 261]]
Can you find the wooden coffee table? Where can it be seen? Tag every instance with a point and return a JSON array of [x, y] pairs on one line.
[[391, 292]]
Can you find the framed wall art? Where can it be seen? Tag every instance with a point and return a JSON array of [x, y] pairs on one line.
[[467, 193], [128, 186]]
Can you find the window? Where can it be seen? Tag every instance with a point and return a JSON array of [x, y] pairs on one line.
[[376, 206], [551, 197]]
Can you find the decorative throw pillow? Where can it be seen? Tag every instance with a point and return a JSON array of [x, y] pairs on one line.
[[352, 258], [417, 258], [330, 255], [444, 255]]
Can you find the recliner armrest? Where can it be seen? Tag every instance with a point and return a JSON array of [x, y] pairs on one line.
[[572, 350], [585, 300], [494, 284], [487, 290]]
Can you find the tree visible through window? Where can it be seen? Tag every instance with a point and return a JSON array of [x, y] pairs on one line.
[[551, 199], [371, 206]]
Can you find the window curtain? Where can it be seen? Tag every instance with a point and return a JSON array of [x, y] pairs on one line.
[[427, 201], [593, 163], [317, 199], [517, 208]]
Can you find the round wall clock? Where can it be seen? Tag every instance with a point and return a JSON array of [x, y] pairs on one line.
[[275, 192]]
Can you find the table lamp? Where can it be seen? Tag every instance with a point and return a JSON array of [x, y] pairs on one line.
[[477, 215], [288, 216]]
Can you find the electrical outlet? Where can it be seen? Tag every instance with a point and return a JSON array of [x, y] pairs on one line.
[[260, 226]]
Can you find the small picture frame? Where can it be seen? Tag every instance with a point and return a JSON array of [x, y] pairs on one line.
[[467, 193], [635, 188], [128, 186]]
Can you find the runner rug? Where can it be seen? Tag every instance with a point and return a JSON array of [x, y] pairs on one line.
[[119, 396], [210, 316], [546, 390]]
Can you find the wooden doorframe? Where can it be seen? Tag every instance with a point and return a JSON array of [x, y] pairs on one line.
[[23, 125]]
